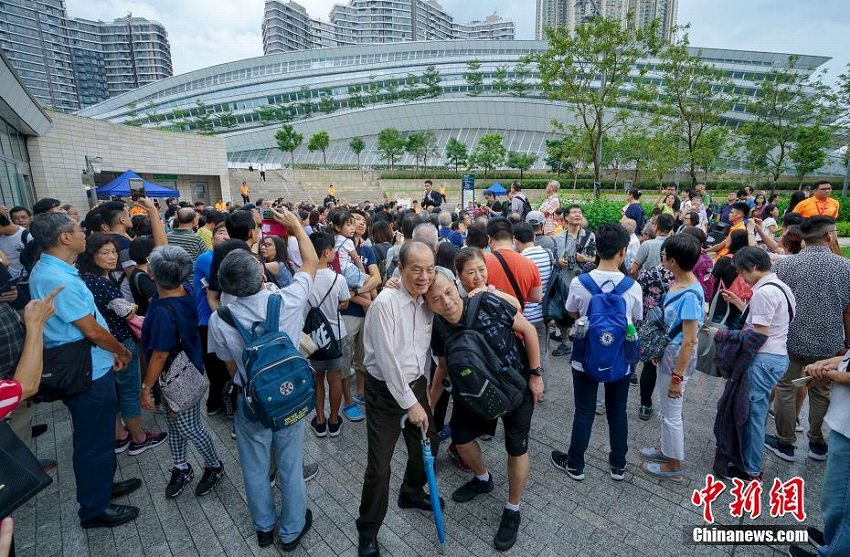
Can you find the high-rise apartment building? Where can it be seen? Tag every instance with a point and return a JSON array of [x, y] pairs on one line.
[[34, 37], [570, 13], [287, 26], [70, 63]]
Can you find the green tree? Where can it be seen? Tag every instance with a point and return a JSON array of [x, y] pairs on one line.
[[713, 144], [696, 95], [489, 153], [809, 150], [288, 140], [414, 145], [431, 79], [474, 77], [355, 96], [519, 86], [588, 70], [227, 120], [633, 148], [786, 101], [357, 145], [500, 79], [268, 113], [411, 90], [661, 153], [373, 90], [319, 141], [429, 147], [520, 161], [457, 152], [391, 91], [326, 104], [569, 153], [203, 122], [390, 144]]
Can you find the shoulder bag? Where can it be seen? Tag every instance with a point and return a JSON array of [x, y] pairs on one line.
[[511, 278], [706, 343], [183, 385], [67, 370]]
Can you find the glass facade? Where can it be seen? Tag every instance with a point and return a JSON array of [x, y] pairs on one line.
[[15, 181]]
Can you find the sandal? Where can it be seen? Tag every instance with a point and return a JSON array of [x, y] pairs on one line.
[[652, 454], [654, 469]]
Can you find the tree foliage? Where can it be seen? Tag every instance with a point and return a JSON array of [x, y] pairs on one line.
[[571, 67], [288, 140], [457, 152], [474, 77], [319, 141], [809, 150], [357, 145], [489, 153], [431, 80], [390, 144], [520, 161]]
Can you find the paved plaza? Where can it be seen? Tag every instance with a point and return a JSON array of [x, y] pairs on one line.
[[560, 516]]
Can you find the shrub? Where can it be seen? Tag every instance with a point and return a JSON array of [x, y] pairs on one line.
[[843, 229]]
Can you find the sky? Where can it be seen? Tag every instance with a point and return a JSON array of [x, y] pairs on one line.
[[208, 32]]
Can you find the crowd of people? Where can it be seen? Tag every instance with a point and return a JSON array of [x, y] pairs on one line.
[[391, 306]]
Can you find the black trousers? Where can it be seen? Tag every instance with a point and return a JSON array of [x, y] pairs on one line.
[[216, 372], [383, 427]]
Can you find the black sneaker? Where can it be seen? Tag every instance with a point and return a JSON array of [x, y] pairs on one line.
[[265, 539], [471, 489], [633, 379], [179, 479], [309, 471], [797, 551], [817, 451], [559, 461], [333, 428], [308, 522], [151, 440], [209, 479], [122, 445], [785, 452], [321, 430], [507, 532], [563, 349], [618, 474], [816, 537]]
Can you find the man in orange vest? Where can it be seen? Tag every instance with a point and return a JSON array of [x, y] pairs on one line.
[[243, 191], [820, 203]]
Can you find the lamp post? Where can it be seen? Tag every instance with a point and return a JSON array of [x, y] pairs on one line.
[[92, 169]]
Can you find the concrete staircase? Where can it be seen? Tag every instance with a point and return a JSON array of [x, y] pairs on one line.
[[279, 183], [350, 185]]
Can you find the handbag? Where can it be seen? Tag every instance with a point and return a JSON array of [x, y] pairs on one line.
[[183, 385], [136, 322], [652, 331], [67, 370], [21, 476], [706, 344]]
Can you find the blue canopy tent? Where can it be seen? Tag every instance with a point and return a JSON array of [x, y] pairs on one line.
[[120, 187], [496, 189]]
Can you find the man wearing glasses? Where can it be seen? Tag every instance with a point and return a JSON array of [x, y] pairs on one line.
[[820, 203]]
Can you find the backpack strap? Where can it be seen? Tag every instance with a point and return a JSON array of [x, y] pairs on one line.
[[584, 240], [473, 306], [227, 316], [674, 332], [511, 278], [624, 285], [787, 301], [589, 284], [272, 323]]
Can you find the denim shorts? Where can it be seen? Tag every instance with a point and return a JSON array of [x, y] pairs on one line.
[[128, 383]]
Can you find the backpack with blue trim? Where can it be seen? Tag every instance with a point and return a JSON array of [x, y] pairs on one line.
[[279, 387], [604, 353]]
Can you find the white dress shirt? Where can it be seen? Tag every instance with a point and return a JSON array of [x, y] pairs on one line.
[[397, 342]]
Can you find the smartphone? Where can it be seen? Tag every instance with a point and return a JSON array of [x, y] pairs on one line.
[[268, 214], [7, 282], [137, 188]]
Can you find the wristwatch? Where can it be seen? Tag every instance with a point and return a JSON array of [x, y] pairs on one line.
[[538, 371]]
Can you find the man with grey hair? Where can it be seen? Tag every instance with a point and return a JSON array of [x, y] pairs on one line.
[[549, 206], [78, 326], [184, 235], [397, 345], [241, 275], [446, 233]]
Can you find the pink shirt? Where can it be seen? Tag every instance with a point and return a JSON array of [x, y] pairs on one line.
[[10, 396], [548, 208]]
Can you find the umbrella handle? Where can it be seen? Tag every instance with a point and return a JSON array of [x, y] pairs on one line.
[[405, 419]]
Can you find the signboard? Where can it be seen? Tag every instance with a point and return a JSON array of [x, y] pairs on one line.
[[467, 191], [403, 203]]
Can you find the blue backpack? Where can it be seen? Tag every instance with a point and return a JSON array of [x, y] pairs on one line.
[[604, 353], [279, 389]]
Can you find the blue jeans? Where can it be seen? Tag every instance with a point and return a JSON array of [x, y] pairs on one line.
[[835, 497], [764, 373], [616, 397], [93, 421], [254, 442], [128, 382]]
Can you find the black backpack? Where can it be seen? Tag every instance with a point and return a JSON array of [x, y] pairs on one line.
[[476, 374], [319, 329], [526, 207]]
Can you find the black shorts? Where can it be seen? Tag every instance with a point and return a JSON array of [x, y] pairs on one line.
[[467, 426]]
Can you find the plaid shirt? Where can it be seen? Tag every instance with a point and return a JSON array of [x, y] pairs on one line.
[[11, 340]]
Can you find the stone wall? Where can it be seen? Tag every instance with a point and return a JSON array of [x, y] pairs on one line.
[[57, 157]]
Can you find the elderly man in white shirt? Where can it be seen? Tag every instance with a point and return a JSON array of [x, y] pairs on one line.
[[397, 344]]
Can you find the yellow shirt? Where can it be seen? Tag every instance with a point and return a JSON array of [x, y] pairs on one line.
[[811, 207], [220, 206], [205, 234], [243, 189]]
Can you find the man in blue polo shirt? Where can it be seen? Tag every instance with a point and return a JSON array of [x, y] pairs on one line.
[[93, 411]]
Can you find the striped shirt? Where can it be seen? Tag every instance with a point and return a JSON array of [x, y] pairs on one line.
[[10, 396], [187, 240], [544, 261]]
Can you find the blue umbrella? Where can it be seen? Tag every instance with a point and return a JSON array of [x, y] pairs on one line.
[[497, 189], [433, 490]]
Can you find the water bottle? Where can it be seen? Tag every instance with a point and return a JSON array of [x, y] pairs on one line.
[[580, 328], [631, 333]]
